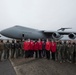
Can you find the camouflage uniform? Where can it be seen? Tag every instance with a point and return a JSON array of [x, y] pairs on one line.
[[72, 52], [7, 46], [64, 52], [1, 49], [75, 53], [60, 58], [13, 49], [17, 47], [57, 49], [69, 47]]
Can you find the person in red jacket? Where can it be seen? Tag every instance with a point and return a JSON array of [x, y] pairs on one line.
[[36, 48], [53, 49], [26, 48], [40, 48], [47, 47]]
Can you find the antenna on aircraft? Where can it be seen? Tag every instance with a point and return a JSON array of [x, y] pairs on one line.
[[62, 29]]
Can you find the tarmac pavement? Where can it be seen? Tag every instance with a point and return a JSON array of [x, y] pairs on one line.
[[6, 68], [32, 66]]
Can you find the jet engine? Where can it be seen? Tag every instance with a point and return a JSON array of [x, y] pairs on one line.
[[72, 36], [56, 35]]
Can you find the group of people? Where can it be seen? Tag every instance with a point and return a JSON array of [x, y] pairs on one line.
[[39, 48], [49, 49]]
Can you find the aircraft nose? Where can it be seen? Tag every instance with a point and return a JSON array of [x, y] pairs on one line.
[[4, 32], [1, 32]]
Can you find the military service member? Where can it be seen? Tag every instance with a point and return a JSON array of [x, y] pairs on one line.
[[13, 49], [1, 48], [60, 57], [57, 49], [7, 47]]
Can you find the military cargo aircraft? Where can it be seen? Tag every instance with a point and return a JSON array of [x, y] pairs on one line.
[[19, 32]]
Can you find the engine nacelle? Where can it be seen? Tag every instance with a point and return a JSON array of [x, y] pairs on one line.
[[56, 35], [72, 36]]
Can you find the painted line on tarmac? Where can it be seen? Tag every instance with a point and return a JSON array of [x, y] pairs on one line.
[[15, 68]]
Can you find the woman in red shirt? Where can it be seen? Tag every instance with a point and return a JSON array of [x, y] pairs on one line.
[[47, 47], [36, 48], [53, 49], [40, 48]]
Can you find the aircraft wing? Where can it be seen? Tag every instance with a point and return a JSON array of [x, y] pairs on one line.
[[58, 34]]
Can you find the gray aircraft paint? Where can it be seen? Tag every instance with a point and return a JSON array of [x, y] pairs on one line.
[[17, 31]]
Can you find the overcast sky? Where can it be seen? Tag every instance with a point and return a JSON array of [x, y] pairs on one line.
[[39, 14]]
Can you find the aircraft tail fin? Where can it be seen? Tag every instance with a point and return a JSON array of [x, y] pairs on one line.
[[62, 29]]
